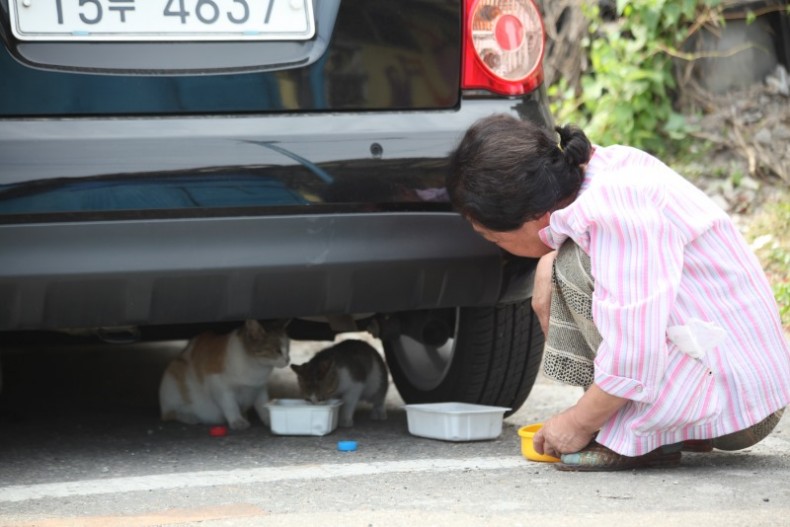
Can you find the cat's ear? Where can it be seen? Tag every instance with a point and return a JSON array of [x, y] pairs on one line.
[[325, 366], [253, 328]]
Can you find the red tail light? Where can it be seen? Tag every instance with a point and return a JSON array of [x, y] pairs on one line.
[[503, 46]]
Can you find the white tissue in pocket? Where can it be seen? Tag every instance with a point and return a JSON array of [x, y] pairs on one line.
[[696, 337]]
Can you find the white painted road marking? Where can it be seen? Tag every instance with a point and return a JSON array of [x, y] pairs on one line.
[[17, 493]]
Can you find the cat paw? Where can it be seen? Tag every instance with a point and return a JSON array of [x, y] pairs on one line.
[[263, 415], [239, 424], [346, 423], [181, 417]]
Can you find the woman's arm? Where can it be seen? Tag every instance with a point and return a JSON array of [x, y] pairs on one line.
[[636, 257]]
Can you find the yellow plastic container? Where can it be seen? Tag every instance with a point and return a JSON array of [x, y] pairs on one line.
[[527, 450]]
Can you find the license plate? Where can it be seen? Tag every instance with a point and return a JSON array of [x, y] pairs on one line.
[[164, 20]]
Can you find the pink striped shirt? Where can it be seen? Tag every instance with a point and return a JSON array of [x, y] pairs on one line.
[[691, 331]]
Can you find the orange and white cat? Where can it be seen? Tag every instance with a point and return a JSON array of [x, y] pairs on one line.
[[218, 378]]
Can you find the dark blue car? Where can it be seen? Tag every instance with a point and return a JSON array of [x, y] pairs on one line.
[[168, 167]]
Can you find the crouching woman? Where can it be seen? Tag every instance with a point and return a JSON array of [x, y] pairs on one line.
[[650, 298]]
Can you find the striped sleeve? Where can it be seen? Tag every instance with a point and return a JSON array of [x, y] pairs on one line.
[[636, 261]]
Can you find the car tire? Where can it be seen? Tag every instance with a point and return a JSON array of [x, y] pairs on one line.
[[492, 358]]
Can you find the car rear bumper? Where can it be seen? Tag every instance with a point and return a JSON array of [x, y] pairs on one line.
[[96, 274]]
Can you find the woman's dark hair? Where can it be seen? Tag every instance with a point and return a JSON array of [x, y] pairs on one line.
[[505, 171]]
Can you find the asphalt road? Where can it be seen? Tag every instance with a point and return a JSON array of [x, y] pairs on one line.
[[81, 445]]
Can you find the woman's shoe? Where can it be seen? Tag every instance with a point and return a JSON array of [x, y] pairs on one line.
[[749, 437], [697, 445], [597, 458], [736, 440]]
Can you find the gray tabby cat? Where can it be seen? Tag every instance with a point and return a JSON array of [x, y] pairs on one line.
[[352, 371], [217, 378]]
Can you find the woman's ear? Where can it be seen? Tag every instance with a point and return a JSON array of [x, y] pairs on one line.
[[543, 221]]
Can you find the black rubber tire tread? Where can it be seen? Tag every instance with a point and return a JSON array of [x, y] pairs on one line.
[[496, 359]]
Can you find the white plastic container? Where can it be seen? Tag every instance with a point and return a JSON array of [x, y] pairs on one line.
[[300, 417], [455, 421]]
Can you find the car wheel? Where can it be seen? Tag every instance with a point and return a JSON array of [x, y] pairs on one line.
[[492, 358]]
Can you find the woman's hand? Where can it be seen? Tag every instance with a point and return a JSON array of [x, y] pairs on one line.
[[573, 429], [541, 292], [562, 434]]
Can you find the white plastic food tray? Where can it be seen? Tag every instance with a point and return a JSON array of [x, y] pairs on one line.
[[453, 421], [299, 417]]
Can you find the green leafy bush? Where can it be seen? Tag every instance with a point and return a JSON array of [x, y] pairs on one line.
[[626, 93]]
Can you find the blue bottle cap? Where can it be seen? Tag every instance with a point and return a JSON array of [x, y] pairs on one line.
[[346, 446]]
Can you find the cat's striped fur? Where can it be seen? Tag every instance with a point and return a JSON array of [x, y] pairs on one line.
[[351, 370]]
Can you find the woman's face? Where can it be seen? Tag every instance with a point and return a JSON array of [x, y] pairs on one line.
[[523, 241]]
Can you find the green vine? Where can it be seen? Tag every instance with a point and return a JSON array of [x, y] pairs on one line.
[[626, 95]]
